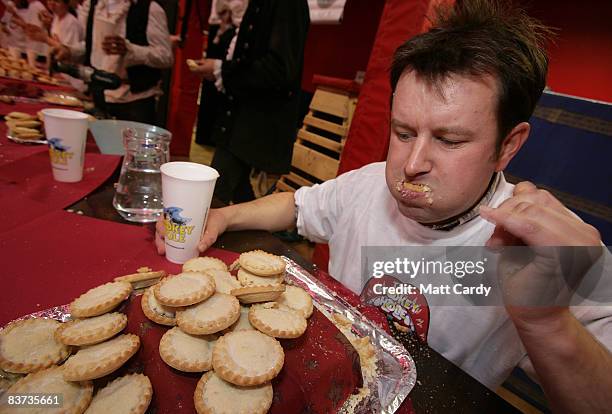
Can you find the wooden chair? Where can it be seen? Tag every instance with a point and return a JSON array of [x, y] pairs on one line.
[[319, 143]]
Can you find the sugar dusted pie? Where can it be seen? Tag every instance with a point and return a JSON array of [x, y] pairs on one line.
[[75, 395], [91, 331], [29, 345], [155, 311], [247, 358], [130, 394], [185, 352], [216, 313], [224, 281], [213, 395], [98, 360], [184, 289], [242, 324], [199, 264], [277, 320], [100, 299], [298, 299], [262, 263], [247, 278], [254, 294], [144, 277]]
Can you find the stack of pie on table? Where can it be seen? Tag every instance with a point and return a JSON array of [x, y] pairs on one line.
[[25, 126], [224, 326], [90, 346]]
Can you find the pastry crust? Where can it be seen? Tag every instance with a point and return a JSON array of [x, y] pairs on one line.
[[155, 311], [262, 263], [216, 313], [199, 264], [298, 299], [91, 331], [185, 352], [242, 324], [143, 279], [247, 278], [76, 396], [247, 358], [213, 395], [100, 299], [256, 294], [98, 360], [184, 289], [130, 394], [277, 320], [29, 345], [224, 281]]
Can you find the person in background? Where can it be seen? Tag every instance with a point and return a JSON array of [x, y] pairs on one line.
[[462, 97], [260, 82], [64, 27], [130, 39], [225, 17]]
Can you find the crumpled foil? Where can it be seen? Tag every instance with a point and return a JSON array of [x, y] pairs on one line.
[[396, 371]]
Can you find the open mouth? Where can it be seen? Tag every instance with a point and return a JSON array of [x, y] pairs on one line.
[[409, 191]]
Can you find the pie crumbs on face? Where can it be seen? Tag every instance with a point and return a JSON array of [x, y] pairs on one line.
[[29, 345], [262, 263], [91, 331], [128, 394], [185, 352], [247, 358], [277, 320], [100, 299], [216, 313], [155, 311], [98, 360], [184, 289], [213, 395], [75, 395]]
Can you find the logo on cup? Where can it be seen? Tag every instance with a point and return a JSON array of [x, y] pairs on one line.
[[59, 152], [176, 225]]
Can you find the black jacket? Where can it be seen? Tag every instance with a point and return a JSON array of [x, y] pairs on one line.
[[258, 114]]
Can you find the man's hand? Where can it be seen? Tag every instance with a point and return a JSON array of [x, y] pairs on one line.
[[216, 224], [535, 218], [61, 53], [114, 45], [45, 18], [204, 68]]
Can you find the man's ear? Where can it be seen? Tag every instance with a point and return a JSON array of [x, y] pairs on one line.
[[512, 144]]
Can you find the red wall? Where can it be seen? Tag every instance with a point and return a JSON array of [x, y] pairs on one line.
[[340, 50], [581, 59]]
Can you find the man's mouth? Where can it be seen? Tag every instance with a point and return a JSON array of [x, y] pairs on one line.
[[411, 191]]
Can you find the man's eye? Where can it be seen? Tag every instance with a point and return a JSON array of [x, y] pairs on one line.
[[448, 142], [405, 136]]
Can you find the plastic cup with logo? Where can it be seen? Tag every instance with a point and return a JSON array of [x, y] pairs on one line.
[[66, 133], [187, 190]]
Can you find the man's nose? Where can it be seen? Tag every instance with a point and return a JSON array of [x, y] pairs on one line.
[[419, 158]]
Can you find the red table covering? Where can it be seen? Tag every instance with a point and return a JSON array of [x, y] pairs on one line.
[[56, 257]]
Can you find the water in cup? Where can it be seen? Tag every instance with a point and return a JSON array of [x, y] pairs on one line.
[[138, 196]]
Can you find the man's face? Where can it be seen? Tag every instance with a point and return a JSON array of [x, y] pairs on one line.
[[442, 145]]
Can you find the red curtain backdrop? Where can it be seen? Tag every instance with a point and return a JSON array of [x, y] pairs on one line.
[[183, 108]]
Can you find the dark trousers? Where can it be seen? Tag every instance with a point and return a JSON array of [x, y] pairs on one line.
[[233, 183], [142, 110]]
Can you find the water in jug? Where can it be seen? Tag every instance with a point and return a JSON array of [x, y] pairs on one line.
[[138, 196]]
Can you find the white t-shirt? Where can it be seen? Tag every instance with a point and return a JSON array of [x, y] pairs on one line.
[[31, 16], [67, 29], [356, 209]]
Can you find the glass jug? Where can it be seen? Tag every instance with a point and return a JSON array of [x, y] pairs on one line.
[[138, 196]]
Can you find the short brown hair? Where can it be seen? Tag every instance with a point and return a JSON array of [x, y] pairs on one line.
[[478, 37]]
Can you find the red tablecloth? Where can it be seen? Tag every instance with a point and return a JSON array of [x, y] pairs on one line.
[[56, 257]]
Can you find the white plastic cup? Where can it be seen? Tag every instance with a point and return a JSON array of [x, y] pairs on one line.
[[187, 190], [66, 133]]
